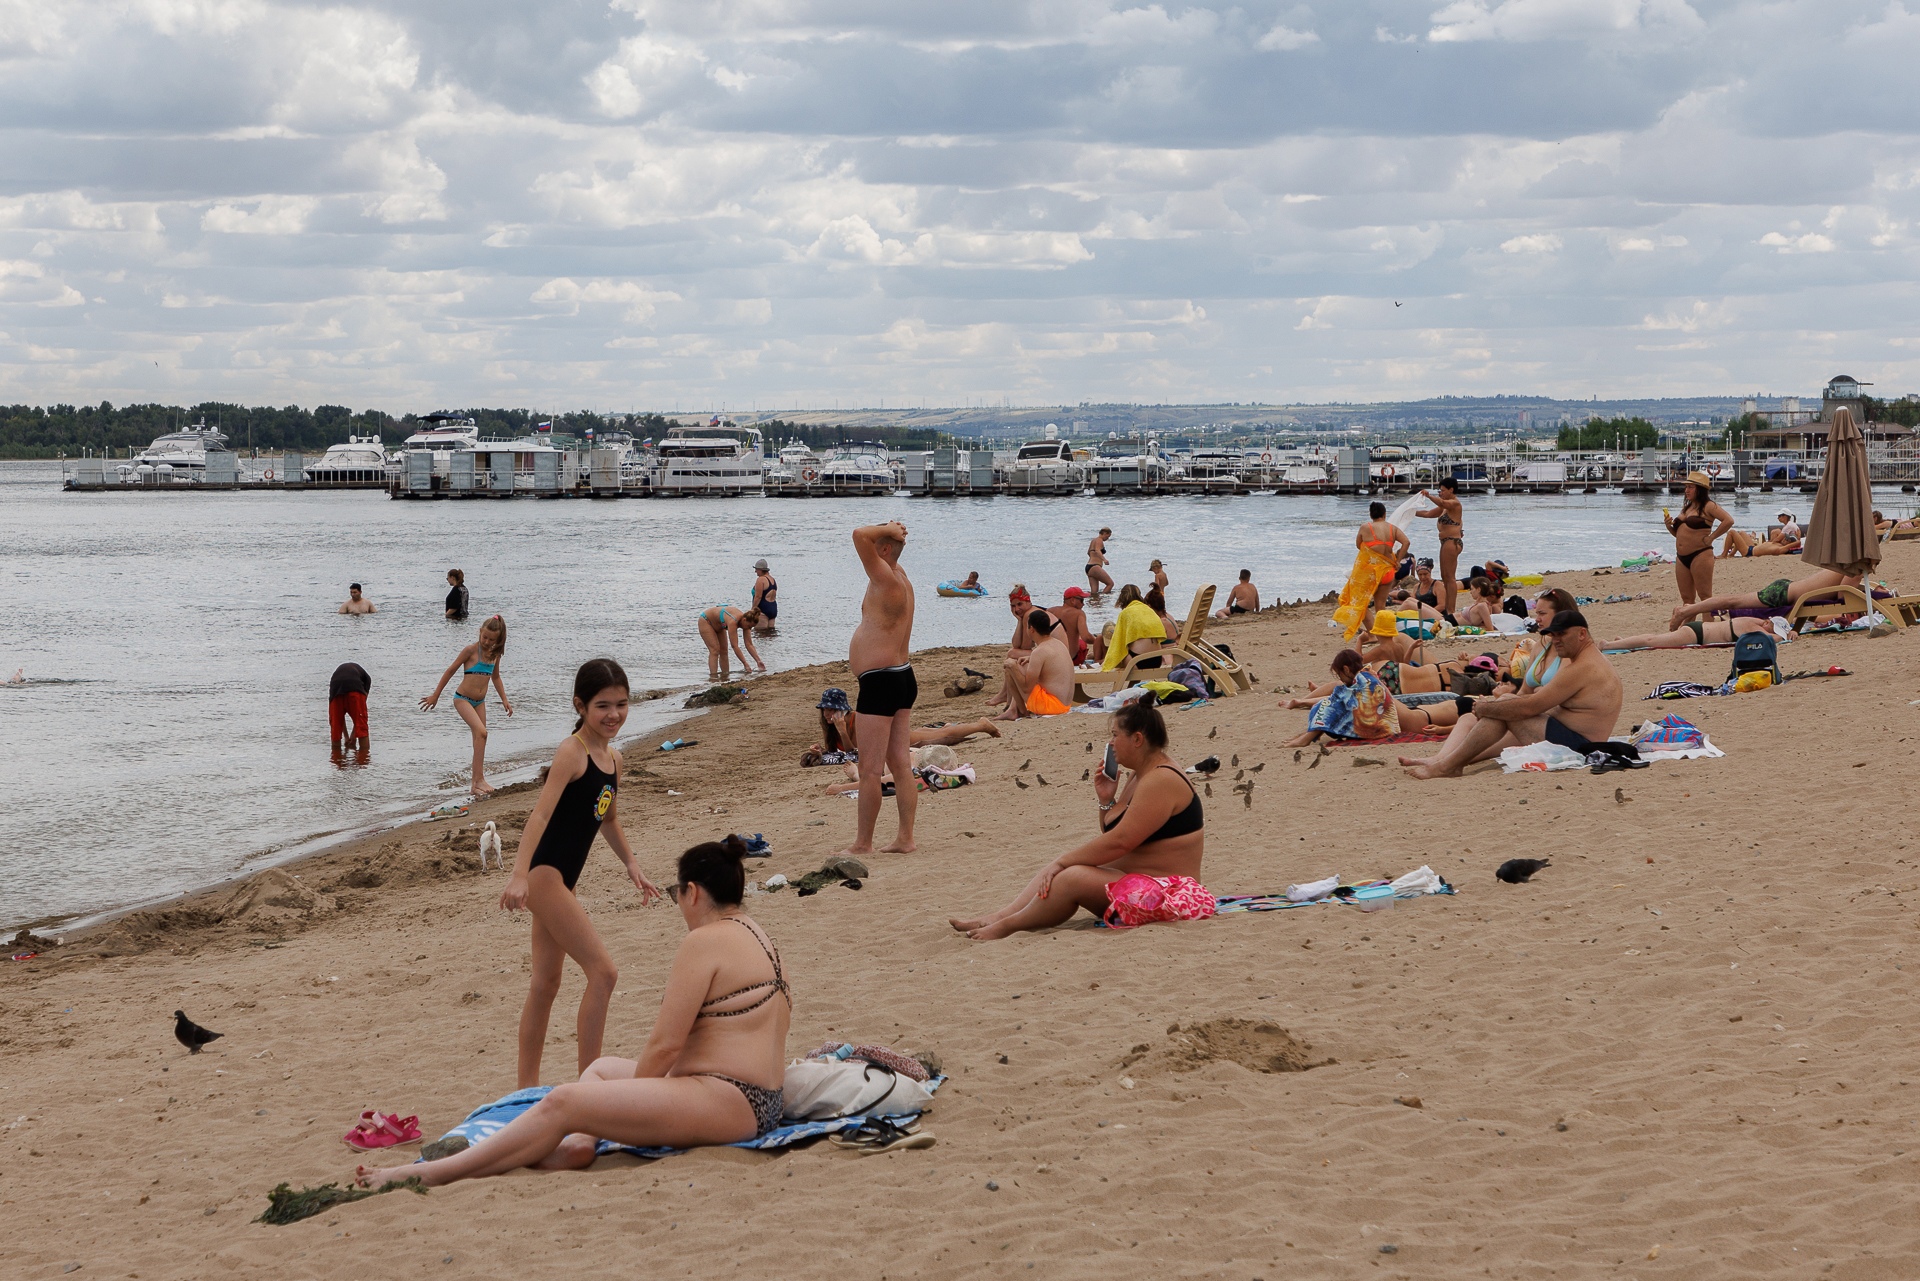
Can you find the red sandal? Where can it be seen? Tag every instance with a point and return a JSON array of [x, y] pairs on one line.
[[376, 1131]]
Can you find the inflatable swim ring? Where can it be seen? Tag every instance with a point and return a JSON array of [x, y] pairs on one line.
[[951, 588]]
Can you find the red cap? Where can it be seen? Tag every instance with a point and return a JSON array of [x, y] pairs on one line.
[[1079, 592]]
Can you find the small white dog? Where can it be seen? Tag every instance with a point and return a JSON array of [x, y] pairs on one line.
[[490, 841]]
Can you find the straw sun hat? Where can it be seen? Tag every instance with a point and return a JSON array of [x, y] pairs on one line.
[[1701, 479]]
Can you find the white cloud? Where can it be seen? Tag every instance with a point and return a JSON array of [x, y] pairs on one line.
[[1527, 20], [1536, 243], [637, 299], [269, 216], [1811, 242], [1285, 39]]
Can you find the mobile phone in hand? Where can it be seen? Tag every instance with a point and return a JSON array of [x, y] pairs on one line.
[[1111, 765]]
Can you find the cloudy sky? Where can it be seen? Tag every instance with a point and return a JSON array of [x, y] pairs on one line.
[[793, 203]]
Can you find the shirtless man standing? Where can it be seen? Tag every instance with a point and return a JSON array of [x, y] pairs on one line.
[[1580, 704], [356, 603], [1098, 580], [1446, 512], [1041, 680], [878, 655]]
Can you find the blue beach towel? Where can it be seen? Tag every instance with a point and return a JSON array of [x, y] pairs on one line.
[[490, 1118]]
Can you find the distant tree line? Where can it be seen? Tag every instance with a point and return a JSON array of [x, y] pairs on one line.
[[1609, 433], [36, 431], [778, 432]]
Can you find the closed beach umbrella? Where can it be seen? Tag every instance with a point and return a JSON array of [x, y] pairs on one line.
[[1841, 535]]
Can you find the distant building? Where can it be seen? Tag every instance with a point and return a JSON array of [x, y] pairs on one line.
[[1794, 428]]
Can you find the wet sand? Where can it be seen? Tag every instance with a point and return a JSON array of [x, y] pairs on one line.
[[1685, 1034]]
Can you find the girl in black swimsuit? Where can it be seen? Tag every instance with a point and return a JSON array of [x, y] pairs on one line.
[[1154, 826], [577, 802]]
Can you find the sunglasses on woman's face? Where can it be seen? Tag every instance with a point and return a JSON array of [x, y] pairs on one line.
[[673, 892]]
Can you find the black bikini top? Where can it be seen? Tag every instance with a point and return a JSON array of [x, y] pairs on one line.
[[1184, 823], [778, 983]]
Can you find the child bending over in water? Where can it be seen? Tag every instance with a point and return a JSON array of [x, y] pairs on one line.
[[481, 661], [577, 803]]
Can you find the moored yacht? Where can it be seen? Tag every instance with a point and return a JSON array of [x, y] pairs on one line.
[[178, 453], [426, 456], [359, 461], [1044, 466], [719, 459], [858, 468]]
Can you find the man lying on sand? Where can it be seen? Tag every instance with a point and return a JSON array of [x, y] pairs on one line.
[[1581, 703], [1777, 597], [713, 1067]]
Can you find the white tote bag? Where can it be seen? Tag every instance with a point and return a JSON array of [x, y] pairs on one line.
[[820, 1091]]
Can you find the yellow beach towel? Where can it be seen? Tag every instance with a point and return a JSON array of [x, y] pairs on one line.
[[1136, 622], [1370, 569]]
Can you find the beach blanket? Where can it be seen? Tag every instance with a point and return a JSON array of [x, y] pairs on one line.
[[1136, 622], [490, 1118], [1431, 734], [1419, 883]]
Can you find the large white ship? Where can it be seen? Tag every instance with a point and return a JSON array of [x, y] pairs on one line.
[[178, 453], [358, 461], [717, 460]]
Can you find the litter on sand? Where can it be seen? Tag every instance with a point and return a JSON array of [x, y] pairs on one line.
[[284, 1205]]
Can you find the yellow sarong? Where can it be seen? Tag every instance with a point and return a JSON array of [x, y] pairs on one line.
[[1136, 622], [1371, 568]]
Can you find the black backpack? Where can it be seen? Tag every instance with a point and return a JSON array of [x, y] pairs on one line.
[[1755, 652]]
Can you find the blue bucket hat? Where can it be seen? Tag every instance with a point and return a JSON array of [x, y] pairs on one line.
[[834, 700]]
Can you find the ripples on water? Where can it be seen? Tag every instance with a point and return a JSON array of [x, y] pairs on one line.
[[178, 645]]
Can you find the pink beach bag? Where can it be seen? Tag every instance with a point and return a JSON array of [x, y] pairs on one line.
[[1137, 899]]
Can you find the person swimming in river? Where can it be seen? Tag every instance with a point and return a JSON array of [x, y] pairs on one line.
[[479, 664], [578, 801]]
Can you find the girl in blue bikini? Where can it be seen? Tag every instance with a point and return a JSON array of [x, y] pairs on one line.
[[481, 664]]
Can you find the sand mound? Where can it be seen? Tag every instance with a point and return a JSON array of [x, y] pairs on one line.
[[1256, 1046]]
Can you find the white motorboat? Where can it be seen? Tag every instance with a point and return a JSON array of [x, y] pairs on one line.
[[795, 471], [717, 460], [1125, 464], [858, 468], [359, 461], [1044, 466], [178, 453], [433, 446]]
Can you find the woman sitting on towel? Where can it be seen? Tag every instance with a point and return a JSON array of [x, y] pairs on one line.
[[1151, 826], [712, 1069], [1359, 705]]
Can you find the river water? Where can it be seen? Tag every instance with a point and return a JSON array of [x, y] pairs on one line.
[[172, 730]]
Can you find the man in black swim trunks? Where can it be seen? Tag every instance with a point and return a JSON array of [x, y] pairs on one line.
[[879, 656], [1579, 705]]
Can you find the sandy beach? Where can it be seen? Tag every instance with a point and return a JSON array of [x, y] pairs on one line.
[[1679, 1052]]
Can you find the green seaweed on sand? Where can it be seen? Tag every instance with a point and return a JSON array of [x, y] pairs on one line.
[[284, 1205], [714, 695]]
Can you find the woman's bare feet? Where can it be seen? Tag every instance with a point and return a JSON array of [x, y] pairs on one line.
[[1427, 769], [481, 789], [968, 926], [900, 847], [369, 1178], [990, 931]]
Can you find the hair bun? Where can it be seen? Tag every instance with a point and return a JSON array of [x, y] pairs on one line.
[[736, 845]]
